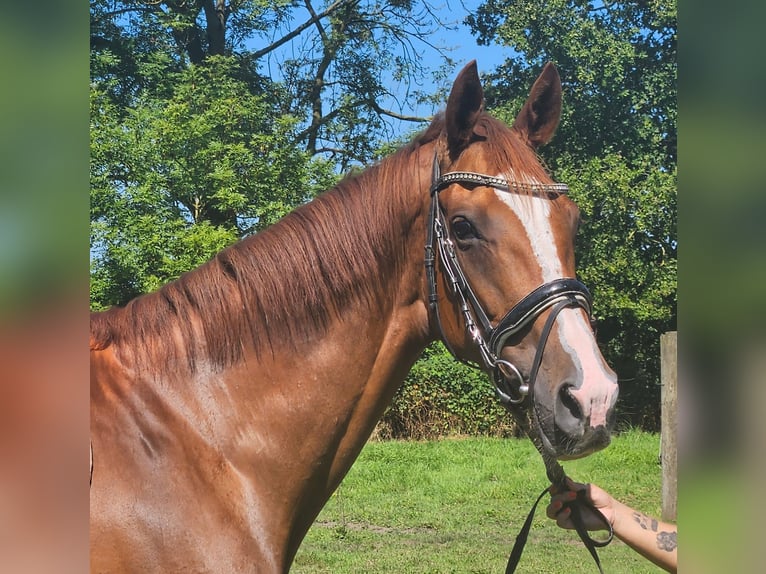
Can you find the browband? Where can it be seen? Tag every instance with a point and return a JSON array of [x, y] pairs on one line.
[[472, 178]]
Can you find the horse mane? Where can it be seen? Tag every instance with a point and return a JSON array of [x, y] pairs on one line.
[[279, 287], [286, 284]]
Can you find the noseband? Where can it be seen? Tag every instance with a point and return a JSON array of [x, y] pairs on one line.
[[510, 385]]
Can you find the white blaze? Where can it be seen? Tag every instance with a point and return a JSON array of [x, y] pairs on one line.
[[598, 387]]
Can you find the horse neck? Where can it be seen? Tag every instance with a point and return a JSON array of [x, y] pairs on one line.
[[319, 398], [335, 287], [354, 259], [358, 245], [228, 368], [359, 299]]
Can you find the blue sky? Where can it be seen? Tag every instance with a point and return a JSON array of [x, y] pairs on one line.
[[462, 44], [466, 48], [462, 49]]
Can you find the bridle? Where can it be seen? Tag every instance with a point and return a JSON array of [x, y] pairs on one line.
[[510, 385]]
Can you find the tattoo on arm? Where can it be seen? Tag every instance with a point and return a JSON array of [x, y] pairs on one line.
[[667, 541], [645, 522]]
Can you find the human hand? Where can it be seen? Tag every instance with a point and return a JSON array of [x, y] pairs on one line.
[[599, 498]]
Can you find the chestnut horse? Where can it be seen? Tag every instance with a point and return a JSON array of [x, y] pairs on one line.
[[227, 406]]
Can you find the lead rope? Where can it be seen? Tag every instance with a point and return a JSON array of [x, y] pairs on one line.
[[557, 476]]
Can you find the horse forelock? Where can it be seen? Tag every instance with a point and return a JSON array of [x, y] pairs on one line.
[[279, 288], [511, 156]]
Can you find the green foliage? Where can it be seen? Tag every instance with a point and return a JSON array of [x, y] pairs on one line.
[[344, 70], [176, 179], [618, 66], [193, 148], [627, 254], [442, 397]]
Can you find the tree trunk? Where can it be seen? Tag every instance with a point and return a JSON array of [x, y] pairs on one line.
[[216, 12]]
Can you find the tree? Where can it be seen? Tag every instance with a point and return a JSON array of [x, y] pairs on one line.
[[616, 148], [193, 147], [352, 66], [617, 61], [176, 180]]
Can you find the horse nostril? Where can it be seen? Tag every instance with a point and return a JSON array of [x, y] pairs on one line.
[[570, 402]]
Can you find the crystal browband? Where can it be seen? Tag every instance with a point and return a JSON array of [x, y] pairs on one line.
[[497, 182]]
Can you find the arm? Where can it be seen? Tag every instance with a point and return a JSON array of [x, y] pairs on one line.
[[649, 537]]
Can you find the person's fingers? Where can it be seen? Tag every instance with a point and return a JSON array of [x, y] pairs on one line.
[[562, 518], [563, 498], [560, 513], [553, 508]]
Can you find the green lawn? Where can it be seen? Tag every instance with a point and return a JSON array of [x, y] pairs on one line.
[[456, 505]]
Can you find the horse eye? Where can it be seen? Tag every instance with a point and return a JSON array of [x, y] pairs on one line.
[[463, 229]]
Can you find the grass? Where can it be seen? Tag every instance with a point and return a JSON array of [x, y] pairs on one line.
[[456, 505]]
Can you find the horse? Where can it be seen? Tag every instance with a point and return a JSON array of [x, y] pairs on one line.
[[228, 405]]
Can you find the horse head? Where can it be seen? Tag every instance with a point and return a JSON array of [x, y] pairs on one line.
[[501, 268]]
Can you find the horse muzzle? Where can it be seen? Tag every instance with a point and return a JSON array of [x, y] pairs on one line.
[[575, 422]]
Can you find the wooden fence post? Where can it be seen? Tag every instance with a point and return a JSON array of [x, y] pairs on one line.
[[669, 424]]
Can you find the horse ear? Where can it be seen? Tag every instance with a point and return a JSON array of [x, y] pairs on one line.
[[538, 119], [464, 105]]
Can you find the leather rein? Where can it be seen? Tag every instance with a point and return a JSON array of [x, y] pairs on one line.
[[511, 387]]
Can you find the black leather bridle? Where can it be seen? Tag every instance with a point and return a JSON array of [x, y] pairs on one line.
[[510, 385]]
